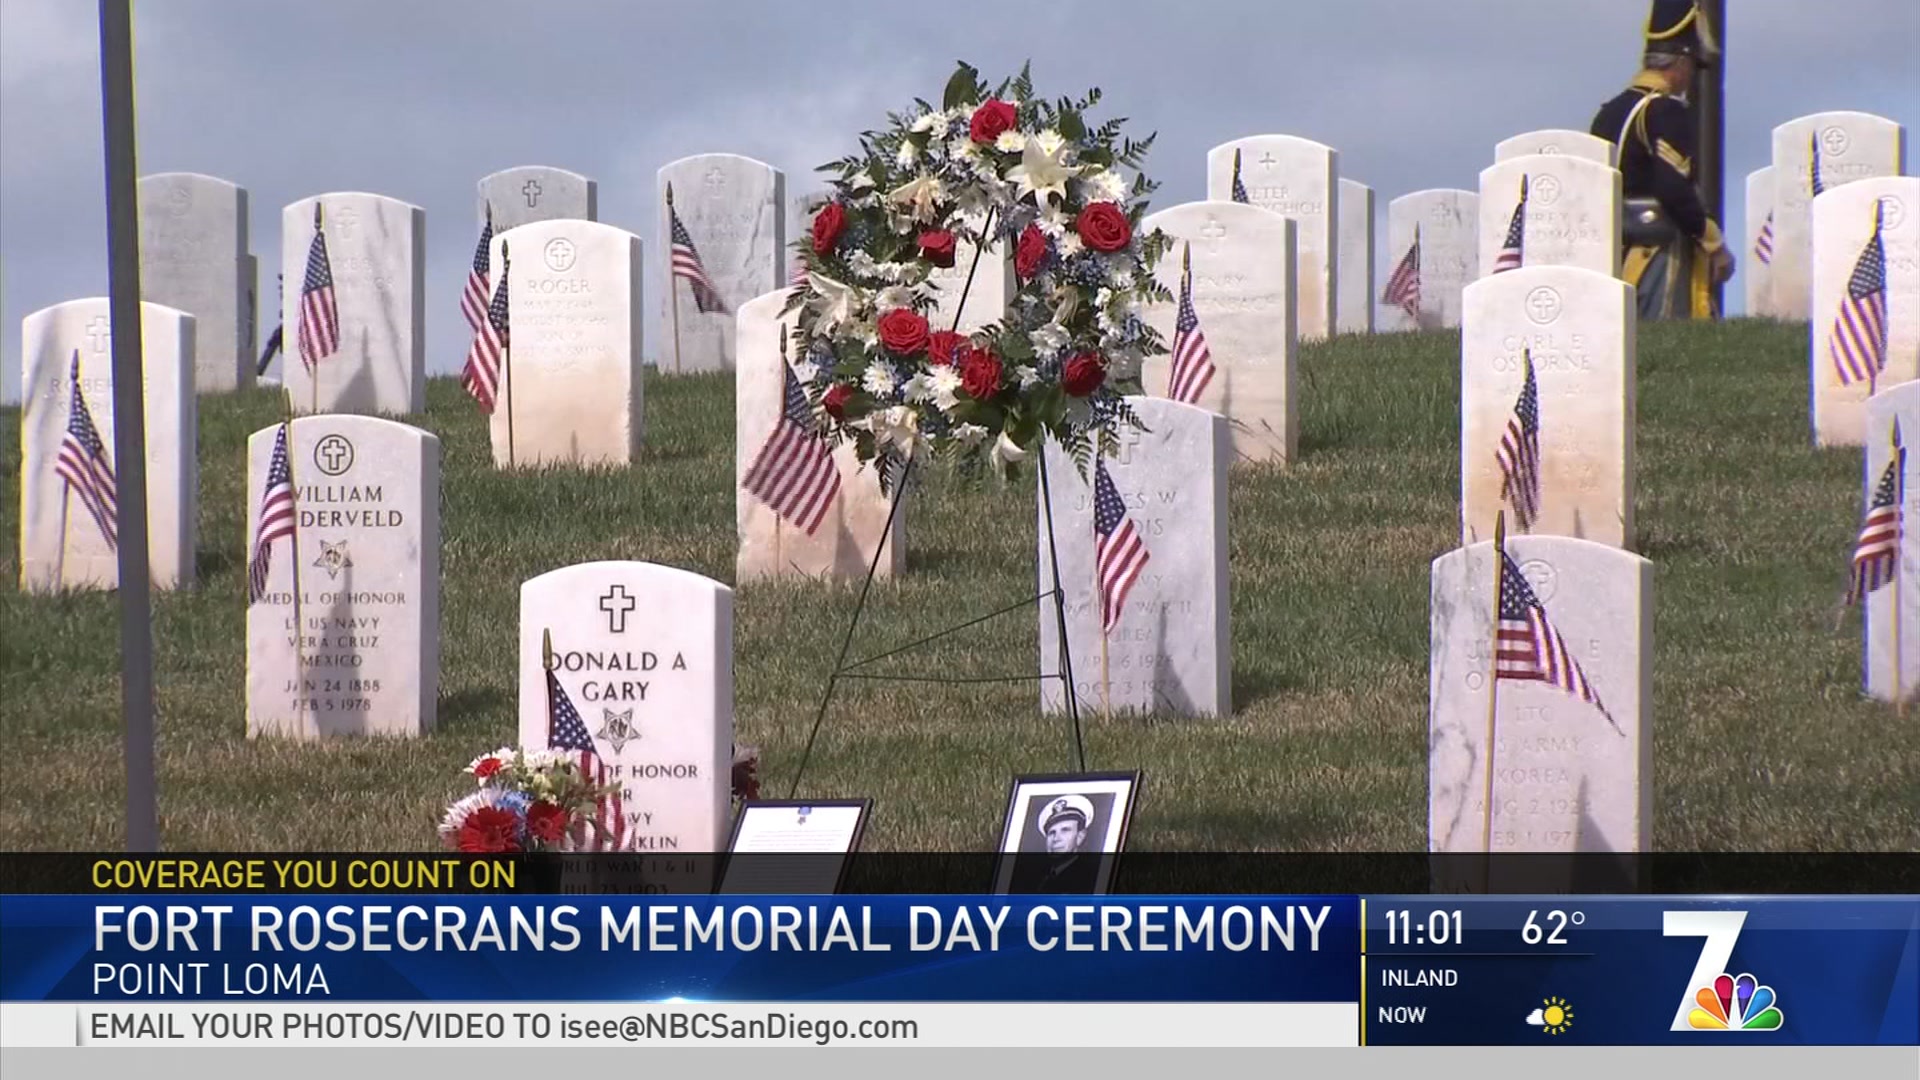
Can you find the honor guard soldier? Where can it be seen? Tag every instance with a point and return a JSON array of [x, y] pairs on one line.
[[1651, 128]]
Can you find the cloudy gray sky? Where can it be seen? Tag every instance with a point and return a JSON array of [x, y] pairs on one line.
[[417, 99]]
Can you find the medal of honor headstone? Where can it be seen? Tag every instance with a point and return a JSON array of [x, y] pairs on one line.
[[365, 552], [376, 251], [1845, 146], [1572, 217], [1865, 332], [1551, 141], [1578, 328], [1354, 306], [529, 193], [842, 544], [733, 213], [1448, 220], [645, 654], [571, 381], [193, 257], [1756, 269], [63, 542], [1243, 293], [1569, 774], [1891, 593], [1294, 177], [1169, 648]]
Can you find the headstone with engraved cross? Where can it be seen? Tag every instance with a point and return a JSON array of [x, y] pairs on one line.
[[528, 193], [1891, 658], [1447, 222], [645, 654], [377, 250], [1844, 220], [1572, 216], [1296, 178], [193, 256], [734, 210], [1555, 141], [1852, 146]]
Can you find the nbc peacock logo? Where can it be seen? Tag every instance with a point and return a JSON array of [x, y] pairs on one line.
[[1735, 1003]]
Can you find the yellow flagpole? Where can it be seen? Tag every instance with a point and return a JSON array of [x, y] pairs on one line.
[[1493, 677]]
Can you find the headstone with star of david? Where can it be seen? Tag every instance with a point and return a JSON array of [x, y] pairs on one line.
[[529, 193], [376, 247], [1844, 220], [645, 654], [735, 211], [361, 656], [1852, 146], [1572, 217], [193, 256], [1298, 179]]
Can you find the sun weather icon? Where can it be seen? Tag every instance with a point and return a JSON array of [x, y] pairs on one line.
[[1554, 1016], [1735, 1004]]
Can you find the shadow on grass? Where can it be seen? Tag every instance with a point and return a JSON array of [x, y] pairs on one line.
[[210, 563], [466, 708], [1251, 686]]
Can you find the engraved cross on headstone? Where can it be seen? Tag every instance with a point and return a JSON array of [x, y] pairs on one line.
[[616, 604], [1128, 441], [334, 450], [99, 331], [1213, 232], [1543, 305], [716, 177], [1268, 161], [531, 189], [1834, 140], [342, 222]]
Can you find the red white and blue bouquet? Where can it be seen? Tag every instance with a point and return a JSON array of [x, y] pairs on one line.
[[528, 800]]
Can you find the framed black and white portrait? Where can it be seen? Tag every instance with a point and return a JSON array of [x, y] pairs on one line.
[[1063, 833]]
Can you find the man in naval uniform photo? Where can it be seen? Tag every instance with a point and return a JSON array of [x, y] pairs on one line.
[[1071, 863]]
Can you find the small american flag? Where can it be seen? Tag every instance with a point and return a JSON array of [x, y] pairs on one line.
[[482, 372], [686, 264], [1239, 189], [276, 517], [1403, 288], [1877, 553], [794, 473], [1519, 453], [83, 464], [1814, 182], [566, 731], [1858, 340], [1119, 553], [490, 343], [1527, 646], [1511, 248], [1193, 366], [798, 279], [319, 329], [1763, 244]]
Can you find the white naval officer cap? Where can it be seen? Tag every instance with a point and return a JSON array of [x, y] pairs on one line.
[[1067, 806]]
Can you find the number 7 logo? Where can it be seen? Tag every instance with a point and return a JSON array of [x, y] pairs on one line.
[[1713, 999]]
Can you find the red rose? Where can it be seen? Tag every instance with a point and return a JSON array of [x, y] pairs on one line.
[[1104, 227], [486, 767], [936, 246], [1083, 374], [903, 331], [490, 829], [547, 822], [835, 400], [827, 226], [942, 345], [991, 120], [979, 373], [1030, 252]]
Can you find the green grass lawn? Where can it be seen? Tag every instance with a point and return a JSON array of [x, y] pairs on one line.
[[1761, 738]]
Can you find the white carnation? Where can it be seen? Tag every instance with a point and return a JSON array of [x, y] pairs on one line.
[[919, 388], [1050, 339], [945, 385], [1028, 376], [1010, 141], [893, 296], [1070, 244], [969, 434], [877, 380]]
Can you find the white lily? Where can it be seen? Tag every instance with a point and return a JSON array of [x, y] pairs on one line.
[[897, 427], [921, 195], [834, 301], [1043, 169], [969, 434], [1005, 452]]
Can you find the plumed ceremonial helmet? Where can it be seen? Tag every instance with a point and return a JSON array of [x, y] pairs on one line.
[[1680, 28]]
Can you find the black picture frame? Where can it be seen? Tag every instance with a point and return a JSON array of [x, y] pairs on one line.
[[777, 865], [1018, 871]]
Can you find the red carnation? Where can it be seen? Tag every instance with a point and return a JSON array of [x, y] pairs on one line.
[[1104, 227], [936, 246], [486, 767], [1083, 374], [979, 373], [1030, 252], [835, 400], [827, 226], [547, 822], [991, 120], [489, 829], [903, 331], [943, 345]]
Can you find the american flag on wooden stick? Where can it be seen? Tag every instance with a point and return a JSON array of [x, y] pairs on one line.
[[687, 264], [1403, 288], [276, 517], [1192, 368], [1763, 244], [1519, 453], [83, 463], [794, 472], [1239, 189], [319, 330], [1512, 247], [481, 375], [1858, 341], [1119, 553], [566, 731], [1876, 555], [490, 342], [1527, 647], [1814, 183]]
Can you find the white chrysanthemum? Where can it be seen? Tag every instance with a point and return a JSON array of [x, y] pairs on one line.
[[917, 389], [1050, 339], [964, 149], [877, 380], [1028, 376], [930, 120], [1011, 141], [892, 297], [906, 155], [806, 371], [969, 434], [1053, 221], [1120, 276], [1105, 186], [945, 382], [1071, 244]]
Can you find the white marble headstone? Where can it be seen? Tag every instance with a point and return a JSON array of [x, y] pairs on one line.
[[1573, 211], [1354, 305], [1579, 326], [193, 257], [377, 248], [1449, 221], [1853, 146], [843, 544], [84, 560], [645, 653], [982, 303], [734, 209], [1243, 292], [1843, 222], [572, 381], [1565, 779], [1550, 141], [1756, 261], [529, 193], [1172, 651], [366, 557], [1297, 178], [800, 211], [1902, 404]]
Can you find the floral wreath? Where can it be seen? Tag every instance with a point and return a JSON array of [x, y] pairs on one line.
[[984, 166]]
